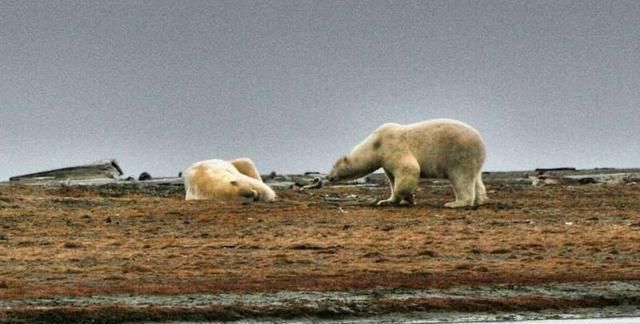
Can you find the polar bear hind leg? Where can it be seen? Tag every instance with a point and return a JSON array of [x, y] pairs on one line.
[[246, 167], [481, 191], [190, 193], [464, 188]]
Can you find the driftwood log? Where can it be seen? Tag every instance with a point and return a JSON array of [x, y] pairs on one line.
[[103, 169]]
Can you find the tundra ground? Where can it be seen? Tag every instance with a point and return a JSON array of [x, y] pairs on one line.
[[61, 242]]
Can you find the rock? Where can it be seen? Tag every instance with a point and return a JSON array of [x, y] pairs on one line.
[[586, 181], [144, 176]]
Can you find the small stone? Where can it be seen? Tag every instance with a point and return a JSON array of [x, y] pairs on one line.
[[144, 176]]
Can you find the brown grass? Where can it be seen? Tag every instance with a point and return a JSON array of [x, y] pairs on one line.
[[84, 241]]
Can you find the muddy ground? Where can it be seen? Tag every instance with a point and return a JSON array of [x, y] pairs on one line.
[[114, 253]]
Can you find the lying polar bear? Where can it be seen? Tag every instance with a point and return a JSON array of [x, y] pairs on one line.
[[236, 180], [439, 148]]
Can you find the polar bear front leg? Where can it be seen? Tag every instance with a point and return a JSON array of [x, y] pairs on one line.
[[392, 199], [481, 191], [404, 188], [403, 180]]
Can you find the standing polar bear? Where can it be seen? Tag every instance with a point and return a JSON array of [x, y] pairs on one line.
[[236, 180], [438, 148]]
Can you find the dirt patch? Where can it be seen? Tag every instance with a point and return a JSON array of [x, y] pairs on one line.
[[72, 241]]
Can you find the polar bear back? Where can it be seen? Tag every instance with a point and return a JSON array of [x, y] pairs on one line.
[[440, 146]]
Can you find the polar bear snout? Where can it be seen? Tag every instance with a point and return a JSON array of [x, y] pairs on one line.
[[333, 176], [338, 170]]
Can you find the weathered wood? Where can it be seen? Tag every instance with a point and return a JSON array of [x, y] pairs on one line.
[[103, 169]]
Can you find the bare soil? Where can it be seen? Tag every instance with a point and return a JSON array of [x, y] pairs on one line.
[[81, 241]]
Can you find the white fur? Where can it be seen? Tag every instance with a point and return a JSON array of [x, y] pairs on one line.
[[237, 180], [439, 148]]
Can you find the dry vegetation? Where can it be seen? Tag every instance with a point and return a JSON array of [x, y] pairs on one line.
[[97, 240]]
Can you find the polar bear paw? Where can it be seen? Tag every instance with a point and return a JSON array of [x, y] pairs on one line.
[[407, 201], [458, 204], [482, 200]]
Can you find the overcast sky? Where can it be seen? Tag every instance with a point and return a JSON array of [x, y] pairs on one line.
[[293, 85]]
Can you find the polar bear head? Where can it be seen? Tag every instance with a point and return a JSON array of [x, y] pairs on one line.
[[364, 159], [243, 189], [248, 189], [341, 170]]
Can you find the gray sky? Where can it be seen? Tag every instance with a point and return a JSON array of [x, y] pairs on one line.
[[293, 85]]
